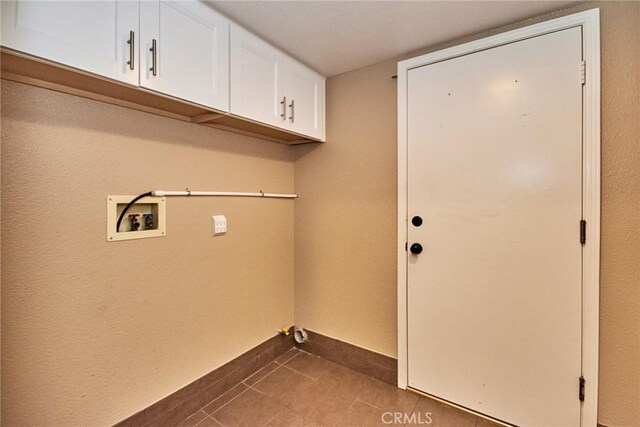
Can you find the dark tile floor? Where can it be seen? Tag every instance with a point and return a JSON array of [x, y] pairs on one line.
[[300, 389]]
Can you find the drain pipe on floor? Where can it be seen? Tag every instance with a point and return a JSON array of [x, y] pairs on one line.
[[300, 335]]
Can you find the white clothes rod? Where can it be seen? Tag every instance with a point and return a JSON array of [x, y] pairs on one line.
[[165, 193]]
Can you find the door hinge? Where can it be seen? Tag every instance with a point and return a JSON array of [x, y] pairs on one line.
[[406, 246], [583, 72], [583, 231], [581, 389]]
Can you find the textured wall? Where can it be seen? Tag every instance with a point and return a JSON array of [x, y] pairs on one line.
[[345, 239], [619, 403], [94, 331], [345, 236]]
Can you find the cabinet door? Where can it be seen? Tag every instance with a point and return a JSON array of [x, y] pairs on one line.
[[89, 35], [256, 79], [191, 59], [305, 97]]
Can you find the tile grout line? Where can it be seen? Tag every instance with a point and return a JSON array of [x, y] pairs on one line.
[[274, 417], [363, 388], [265, 377], [415, 405], [352, 403], [255, 373], [289, 359], [284, 407], [301, 373], [296, 412], [366, 403], [288, 405], [202, 420], [226, 403], [283, 363], [371, 404], [191, 397], [274, 399], [413, 408], [323, 372], [209, 416], [256, 390]]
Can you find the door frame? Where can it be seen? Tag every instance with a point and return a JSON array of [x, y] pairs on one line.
[[589, 21]]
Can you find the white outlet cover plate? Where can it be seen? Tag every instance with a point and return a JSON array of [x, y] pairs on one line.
[[219, 224]]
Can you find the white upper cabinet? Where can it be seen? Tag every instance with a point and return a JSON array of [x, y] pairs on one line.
[[185, 52], [114, 39], [180, 49], [92, 36], [305, 99], [269, 87], [257, 87]]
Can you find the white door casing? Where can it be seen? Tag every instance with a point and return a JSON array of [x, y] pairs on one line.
[[586, 27]]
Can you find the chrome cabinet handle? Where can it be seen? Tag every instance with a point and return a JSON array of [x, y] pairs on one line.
[[132, 49], [284, 108], [293, 110], [153, 57]]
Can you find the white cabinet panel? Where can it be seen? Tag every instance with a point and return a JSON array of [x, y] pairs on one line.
[[191, 52], [257, 88], [269, 87], [305, 96], [182, 49], [89, 35]]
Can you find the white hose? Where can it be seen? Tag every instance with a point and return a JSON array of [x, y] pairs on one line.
[[165, 193]]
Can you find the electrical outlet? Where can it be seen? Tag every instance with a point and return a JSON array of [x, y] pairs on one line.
[[219, 224]]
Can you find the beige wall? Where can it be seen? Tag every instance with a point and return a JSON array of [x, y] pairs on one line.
[[345, 220], [620, 249], [94, 331], [345, 237]]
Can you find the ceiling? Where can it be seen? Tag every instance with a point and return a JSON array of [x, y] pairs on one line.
[[334, 37]]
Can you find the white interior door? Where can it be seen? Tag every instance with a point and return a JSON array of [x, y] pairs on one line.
[[495, 173]]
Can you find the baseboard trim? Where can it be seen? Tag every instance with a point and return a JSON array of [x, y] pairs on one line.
[[180, 404], [376, 365]]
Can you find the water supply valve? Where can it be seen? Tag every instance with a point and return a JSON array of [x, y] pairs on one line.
[[148, 221], [133, 218]]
